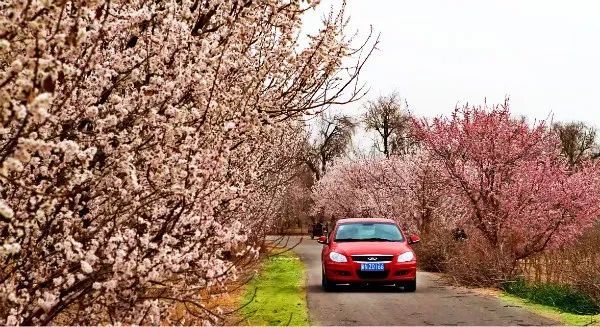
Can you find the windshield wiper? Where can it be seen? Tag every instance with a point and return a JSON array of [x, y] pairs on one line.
[[348, 240], [377, 239]]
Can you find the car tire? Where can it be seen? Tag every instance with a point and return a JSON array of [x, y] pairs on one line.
[[326, 284], [410, 286]]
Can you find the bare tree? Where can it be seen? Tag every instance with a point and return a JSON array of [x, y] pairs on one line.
[[334, 136], [578, 142], [389, 118]]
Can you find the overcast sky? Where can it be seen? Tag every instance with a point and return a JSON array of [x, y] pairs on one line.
[[544, 54]]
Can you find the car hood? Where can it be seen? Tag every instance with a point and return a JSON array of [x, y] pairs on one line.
[[354, 248]]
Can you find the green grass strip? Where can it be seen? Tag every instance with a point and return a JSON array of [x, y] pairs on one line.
[[562, 297], [280, 297], [565, 318]]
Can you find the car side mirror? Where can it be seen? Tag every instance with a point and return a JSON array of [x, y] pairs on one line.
[[322, 240], [414, 239]]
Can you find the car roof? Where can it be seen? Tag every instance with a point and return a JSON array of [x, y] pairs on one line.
[[365, 220]]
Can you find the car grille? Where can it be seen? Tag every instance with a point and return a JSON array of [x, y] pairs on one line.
[[372, 274], [369, 258]]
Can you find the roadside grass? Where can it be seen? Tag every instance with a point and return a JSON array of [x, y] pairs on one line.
[[557, 302], [276, 296], [562, 297], [565, 318]]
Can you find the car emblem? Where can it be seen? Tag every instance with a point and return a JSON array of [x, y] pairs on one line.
[[372, 259]]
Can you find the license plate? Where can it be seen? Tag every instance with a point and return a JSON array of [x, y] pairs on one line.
[[372, 267]]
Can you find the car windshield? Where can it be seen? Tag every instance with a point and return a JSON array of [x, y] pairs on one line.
[[376, 232]]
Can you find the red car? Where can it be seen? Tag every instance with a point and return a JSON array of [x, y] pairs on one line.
[[368, 251]]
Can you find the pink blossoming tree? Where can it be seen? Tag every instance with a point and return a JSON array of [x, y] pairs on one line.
[[519, 192], [407, 188]]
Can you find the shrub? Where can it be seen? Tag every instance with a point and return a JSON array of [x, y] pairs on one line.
[[435, 250], [474, 262], [575, 265], [584, 262]]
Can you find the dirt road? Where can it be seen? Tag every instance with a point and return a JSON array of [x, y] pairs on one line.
[[434, 303]]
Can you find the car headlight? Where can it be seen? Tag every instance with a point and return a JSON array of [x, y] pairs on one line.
[[337, 257], [406, 257]]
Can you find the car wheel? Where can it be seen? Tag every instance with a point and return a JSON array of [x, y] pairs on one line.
[[410, 286], [325, 283]]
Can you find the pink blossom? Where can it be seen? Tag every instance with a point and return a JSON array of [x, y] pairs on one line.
[[409, 189], [509, 176]]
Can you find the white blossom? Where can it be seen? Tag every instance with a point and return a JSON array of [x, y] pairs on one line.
[[5, 210], [86, 267], [4, 44], [229, 125]]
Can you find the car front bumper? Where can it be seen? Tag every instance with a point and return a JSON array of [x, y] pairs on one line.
[[349, 272]]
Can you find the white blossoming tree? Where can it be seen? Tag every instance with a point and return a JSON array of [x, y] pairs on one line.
[[144, 146]]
